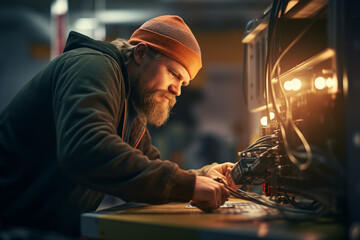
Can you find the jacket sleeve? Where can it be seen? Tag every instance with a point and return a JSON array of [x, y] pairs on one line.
[[86, 103], [202, 171], [153, 153]]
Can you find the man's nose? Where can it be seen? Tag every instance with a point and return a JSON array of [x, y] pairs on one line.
[[175, 89]]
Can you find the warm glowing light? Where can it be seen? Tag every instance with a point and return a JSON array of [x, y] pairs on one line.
[[296, 84], [59, 7], [288, 86], [272, 115], [329, 82], [86, 23], [320, 83], [264, 121], [126, 15]]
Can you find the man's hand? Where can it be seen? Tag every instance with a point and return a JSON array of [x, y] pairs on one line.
[[223, 171], [209, 194]]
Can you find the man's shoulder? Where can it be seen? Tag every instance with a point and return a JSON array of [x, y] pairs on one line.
[[83, 51], [84, 54]]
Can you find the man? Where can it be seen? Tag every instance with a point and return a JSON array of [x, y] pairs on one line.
[[77, 130]]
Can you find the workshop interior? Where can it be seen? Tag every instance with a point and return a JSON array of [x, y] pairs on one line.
[[278, 93]]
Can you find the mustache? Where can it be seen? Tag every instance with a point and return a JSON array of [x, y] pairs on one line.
[[171, 97]]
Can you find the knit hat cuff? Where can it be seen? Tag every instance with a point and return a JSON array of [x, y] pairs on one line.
[[169, 47]]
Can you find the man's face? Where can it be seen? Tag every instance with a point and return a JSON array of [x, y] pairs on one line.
[[155, 87]]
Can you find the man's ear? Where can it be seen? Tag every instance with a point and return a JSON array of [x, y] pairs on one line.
[[140, 52]]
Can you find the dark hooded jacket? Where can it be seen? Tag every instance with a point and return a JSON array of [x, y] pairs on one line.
[[62, 144]]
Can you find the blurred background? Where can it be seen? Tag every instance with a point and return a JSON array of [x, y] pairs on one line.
[[210, 121]]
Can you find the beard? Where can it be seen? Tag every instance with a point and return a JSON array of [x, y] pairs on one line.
[[155, 105]]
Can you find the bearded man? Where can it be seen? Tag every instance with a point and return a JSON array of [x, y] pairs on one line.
[[77, 130]]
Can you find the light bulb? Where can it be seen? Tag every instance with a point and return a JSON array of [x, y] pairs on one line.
[[264, 121], [296, 84], [320, 83], [272, 115], [288, 86], [329, 82]]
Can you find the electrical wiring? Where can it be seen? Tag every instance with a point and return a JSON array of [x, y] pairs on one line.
[[232, 191], [270, 71], [252, 167], [268, 85], [289, 119], [258, 148], [254, 197], [261, 150], [262, 181], [314, 205], [261, 140], [303, 167], [272, 21], [283, 126], [294, 155], [263, 143], [301, 34]]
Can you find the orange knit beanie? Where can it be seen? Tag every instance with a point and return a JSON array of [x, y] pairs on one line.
[[171, 36]]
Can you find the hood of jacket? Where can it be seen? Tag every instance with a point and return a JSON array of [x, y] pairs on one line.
[[77, 40]]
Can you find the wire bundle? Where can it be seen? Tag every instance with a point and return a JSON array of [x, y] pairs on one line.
[[313, 208], [265, 141], [325, 168]]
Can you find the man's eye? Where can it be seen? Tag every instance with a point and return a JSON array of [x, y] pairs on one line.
[[173, 74]]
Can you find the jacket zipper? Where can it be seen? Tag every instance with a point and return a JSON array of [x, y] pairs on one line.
[[123, 130], [140, 138]]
